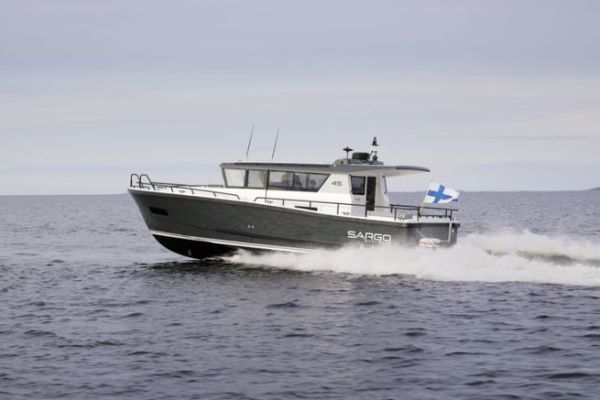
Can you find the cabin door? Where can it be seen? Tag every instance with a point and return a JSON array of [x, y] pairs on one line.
[[371, 185]]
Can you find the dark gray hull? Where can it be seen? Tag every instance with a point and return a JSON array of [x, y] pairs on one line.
[[201, 227]]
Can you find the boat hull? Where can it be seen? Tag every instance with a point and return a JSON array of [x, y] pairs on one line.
[[202, 227]]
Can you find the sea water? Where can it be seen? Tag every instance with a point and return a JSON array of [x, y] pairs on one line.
[[92, 307]]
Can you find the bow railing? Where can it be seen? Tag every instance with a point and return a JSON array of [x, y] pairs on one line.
[[143, 181]]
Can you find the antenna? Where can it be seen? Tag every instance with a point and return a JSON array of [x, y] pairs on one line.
[[275, 145], [250, 142], [374, 147], [347, 150]]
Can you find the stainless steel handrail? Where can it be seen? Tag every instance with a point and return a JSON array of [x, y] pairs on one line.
[[447, 212], [172, 186]]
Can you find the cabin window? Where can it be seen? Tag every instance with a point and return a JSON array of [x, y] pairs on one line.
[[287, 180], [257, 179], [358, 185], [280, 180], [315, 181], [235, 177], [300, 181]]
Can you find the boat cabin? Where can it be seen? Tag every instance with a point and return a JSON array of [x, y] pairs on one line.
[[353, 186]]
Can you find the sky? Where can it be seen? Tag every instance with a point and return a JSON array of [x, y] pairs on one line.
[[490, 95]]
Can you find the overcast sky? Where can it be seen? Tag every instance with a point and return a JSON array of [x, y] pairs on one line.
[[491, 95]]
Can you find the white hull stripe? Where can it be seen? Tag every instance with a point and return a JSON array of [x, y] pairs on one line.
[[232, 243]]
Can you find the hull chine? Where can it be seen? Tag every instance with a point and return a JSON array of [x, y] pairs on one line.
[[193, 248], [198, 247]]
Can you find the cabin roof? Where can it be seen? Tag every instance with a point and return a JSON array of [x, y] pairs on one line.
[[354, 169]]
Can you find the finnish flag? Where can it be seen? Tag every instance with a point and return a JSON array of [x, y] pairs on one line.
[[438, 193]]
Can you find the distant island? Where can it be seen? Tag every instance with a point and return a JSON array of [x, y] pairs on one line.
[[596, 188]]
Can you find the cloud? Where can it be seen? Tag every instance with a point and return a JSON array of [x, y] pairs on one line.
[[272, 35]]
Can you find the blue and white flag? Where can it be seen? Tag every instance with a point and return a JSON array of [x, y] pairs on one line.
[[438, 193]]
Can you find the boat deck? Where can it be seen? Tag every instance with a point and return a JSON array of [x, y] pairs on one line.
[[391, 213]]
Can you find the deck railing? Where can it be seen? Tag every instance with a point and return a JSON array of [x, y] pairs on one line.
[[137, 181], [143, 181], [419, 211]]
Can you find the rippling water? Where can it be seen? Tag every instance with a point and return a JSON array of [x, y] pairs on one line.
[[91, 307]]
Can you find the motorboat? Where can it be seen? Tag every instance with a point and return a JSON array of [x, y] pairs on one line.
[[291, 207]]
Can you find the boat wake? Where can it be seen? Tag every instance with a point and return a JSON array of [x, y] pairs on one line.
[[500, 257]]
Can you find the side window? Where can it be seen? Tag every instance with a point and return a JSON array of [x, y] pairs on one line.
[[257, 179], [358, 185], [235, 177], [300, 181], [315, 181], [280, 180]]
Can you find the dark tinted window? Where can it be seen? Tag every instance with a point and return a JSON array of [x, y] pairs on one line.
[[287, 180], [315, 181], [358, 185], [300, 181]]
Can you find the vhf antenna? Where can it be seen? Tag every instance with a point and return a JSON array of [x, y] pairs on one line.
[[275, 145], [374, 147], [250, 142]]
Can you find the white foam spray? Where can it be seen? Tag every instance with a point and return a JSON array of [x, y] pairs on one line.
[[501, 257]]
